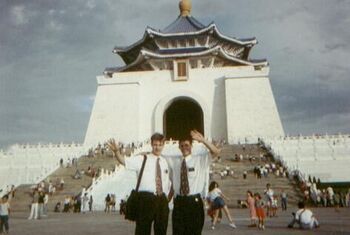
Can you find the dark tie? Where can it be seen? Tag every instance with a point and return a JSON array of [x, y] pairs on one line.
[[184, 188], [159, 188]]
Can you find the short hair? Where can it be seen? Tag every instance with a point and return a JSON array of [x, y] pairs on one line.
[[186, 138], [157, 137], [301, 205]]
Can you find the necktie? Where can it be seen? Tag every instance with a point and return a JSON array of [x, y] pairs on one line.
[[159, 188], [184, 188]]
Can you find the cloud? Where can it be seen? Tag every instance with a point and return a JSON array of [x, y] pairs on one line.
[[51, 52], [18, 15]]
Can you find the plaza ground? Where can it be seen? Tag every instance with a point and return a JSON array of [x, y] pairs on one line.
[[332, 222]]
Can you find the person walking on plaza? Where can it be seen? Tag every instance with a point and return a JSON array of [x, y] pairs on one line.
[[260, 212], [252, 210], [284, 199], [4, 214], [269, 194], [217, 199], [154, 187], [190, 175]]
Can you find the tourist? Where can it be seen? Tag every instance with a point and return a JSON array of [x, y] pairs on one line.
[[91, 200], [66, 204], [112, 203], [85, 203], [107, 203], [274, 206], [50, 188], [13, 191], [61, 184], [245, 174], [252, 210], [41, 204], [4, 214], [347, 198], [46, 201], [57, 207], [34, 206], [284, 199], [260, 213], [304, 218], [216, 197], [154, 186], [189, 175], [269, 198]]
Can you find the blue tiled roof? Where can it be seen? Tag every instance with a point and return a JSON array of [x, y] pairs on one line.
[[184, 24]]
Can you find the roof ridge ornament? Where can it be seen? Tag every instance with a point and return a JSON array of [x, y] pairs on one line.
[[185, 7]]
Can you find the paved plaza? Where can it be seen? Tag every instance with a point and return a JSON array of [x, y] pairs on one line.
[[99, 223]]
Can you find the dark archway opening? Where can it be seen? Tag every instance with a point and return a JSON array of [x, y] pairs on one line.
[[182, 116]]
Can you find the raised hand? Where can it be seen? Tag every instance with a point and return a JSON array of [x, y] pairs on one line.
[[115, 148], [113, 145], [196, 135]]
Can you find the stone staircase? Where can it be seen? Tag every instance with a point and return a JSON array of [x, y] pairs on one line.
[[235, 187], [72, 187]]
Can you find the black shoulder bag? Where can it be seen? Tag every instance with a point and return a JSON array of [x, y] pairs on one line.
[[132, 202]]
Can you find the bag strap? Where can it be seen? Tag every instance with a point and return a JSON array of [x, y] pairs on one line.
[[141, 173]]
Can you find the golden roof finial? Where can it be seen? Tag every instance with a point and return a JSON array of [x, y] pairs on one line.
[[185, 7]]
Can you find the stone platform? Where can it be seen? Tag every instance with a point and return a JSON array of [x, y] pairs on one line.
[[332, 222]]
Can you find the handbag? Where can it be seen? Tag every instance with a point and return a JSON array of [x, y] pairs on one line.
[[132, 203]]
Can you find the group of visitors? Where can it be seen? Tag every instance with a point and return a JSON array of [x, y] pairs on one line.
[[110, 203], [326, 197], [39, 203], [270, 168]]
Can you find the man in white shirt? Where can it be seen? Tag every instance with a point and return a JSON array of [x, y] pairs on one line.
[[190, 175], [304, 217], [154, 186]]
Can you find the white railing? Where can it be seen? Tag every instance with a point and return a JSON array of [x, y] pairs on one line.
[[326, 157], [29, 164]]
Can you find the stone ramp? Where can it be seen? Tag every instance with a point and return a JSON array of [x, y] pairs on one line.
[[236, 187], [72, 186]]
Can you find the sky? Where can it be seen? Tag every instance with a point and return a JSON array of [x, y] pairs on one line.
[[51, 52]]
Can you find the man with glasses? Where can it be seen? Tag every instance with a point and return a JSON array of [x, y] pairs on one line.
[[189, 175]]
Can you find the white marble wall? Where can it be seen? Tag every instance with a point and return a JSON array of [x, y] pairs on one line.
[[130, 105]]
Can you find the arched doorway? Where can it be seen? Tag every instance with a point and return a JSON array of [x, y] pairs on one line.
[[182, 116]]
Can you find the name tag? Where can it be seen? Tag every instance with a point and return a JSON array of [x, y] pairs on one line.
[[191, 169]]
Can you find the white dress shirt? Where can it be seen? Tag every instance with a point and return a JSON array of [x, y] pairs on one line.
[[148, 181], [197, 172]]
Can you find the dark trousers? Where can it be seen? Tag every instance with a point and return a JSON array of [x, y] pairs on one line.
[[284, 204], [4, 222], [152, 209], [188, 215]]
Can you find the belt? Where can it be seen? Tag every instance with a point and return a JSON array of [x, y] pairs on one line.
[[151, 193], [198, 195]]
